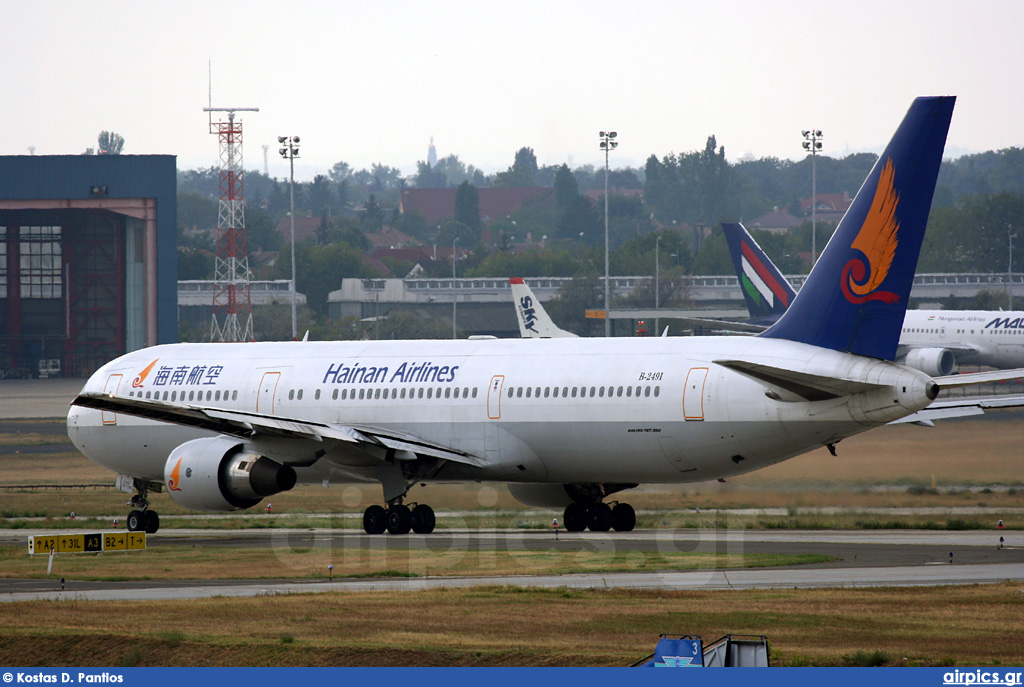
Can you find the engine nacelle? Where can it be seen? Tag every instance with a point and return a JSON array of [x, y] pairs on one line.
[[219, 473], [934, 362]]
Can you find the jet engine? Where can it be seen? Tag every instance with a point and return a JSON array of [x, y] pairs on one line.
[[219, 473], [934, 362]]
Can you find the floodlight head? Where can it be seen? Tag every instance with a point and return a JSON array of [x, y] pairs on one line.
[[805, 132], [601, 134], [295, 139], [807, 145], [612, 134], [817, 132], [282, 139], [284, 152]]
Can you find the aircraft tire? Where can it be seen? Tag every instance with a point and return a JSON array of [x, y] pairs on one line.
[[150, 521], [423, 519], [575, 517], [599, 517], [399, 519], [623, 517], [375, 520], [134, 521]]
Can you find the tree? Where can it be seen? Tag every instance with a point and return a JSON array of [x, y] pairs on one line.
[[340, 172], [429, 177], [467, 206], [320, 269], [568, 309], [522, 172], [566, 188], [581, 221], [110, 143], [197, 211], [321, 199], [373, 214]]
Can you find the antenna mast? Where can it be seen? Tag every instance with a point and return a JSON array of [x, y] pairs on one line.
[[231, 297]]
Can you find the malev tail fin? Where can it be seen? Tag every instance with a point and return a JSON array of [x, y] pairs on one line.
[[534, 322], [765, 290], [855, 298]]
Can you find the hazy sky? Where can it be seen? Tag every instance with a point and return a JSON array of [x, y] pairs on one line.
[[370, 81]]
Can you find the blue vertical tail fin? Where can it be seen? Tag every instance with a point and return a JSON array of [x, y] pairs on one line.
[[855, 298], [765, 290]]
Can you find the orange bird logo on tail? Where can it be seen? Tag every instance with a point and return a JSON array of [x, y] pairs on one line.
[[877, 241]]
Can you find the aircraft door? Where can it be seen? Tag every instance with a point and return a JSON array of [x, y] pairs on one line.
[[494, 397], [113, 382], [268, 391], [693, 393]]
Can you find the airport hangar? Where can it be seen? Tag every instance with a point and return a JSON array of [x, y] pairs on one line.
[[88, 260]]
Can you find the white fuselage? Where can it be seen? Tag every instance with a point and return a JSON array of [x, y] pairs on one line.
[[978, 337], [653, 410]]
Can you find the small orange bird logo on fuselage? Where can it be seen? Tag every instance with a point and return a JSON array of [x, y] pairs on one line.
[[877, 242], [137, 382]]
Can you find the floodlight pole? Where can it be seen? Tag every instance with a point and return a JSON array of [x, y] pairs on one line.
[[812, 143], [607, 144], [290, 151]]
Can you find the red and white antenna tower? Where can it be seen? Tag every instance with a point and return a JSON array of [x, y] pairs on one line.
[[232, 303]]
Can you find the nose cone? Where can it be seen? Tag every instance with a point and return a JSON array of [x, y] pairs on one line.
[[74, 425]]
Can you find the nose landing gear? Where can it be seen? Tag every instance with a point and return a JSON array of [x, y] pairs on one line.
[[141, 518]]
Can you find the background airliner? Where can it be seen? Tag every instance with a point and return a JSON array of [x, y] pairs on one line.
[[534, 321], [932, 341], [565, 422]]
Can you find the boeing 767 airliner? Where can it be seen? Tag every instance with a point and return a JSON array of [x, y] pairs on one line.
[[566, 422]]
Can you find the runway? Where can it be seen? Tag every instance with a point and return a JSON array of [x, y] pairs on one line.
[[862, 559]]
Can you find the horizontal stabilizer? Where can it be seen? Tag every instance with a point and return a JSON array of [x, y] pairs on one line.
[[973, 378], [945, 408], [791, 385]]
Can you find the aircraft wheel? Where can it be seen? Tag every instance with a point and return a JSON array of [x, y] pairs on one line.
[[575, 517], [423, 519], [399, 519], [599, 517], [134, 522], [375, 520], [623, 517], [150, 521]]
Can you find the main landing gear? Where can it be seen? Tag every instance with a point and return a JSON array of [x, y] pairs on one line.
[[141, 518], [399, 519], [599, 517]]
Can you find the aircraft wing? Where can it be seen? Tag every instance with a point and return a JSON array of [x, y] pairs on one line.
[[247, 425], [945, 408]]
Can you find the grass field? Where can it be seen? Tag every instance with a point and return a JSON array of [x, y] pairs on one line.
[[955, 464], [508, 626]]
